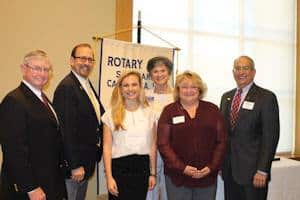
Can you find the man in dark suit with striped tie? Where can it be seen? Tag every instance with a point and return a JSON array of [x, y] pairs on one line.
[[79, 110], [30, 137], [252, 118]]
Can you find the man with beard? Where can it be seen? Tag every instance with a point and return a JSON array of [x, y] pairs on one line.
[[79, 111]]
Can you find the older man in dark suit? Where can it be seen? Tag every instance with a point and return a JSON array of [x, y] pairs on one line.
[[252, 117], [79, 111], [30, 137]]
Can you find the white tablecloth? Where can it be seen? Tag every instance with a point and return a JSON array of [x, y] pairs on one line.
[[285, 181]]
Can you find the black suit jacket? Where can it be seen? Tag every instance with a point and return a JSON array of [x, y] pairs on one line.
[[252, 143], [32, 147], [81, 130]]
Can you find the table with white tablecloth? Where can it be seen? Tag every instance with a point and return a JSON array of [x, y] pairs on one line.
[[285, 182]]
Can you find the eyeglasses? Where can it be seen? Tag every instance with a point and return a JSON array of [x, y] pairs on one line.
[[84, 59], [39, 69], [244, 68]]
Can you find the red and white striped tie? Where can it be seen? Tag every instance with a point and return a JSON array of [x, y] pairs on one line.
[[235, 108]]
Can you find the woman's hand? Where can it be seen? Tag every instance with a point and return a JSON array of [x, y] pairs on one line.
[[152, 182], [201, 173], [189, 170], [112, 186]]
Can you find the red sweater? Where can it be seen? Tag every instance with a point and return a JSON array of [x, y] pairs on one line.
[[197, 142]]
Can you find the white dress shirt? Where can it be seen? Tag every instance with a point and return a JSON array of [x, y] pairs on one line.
[[137, 136]]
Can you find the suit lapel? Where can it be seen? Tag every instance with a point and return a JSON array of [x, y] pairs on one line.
[[37, 103], [94, 91], [225, 107], [84, 96], [51, 112], [251, 98], [229, 99]]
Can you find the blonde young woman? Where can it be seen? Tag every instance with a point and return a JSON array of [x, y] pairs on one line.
[[160, 69], [129, 146]]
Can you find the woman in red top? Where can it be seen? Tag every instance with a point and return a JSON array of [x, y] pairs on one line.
[[191, 140]]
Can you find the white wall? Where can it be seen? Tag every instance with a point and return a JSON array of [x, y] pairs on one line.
[[54, 26]]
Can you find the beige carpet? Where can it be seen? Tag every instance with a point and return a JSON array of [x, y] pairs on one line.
[[102, 197]]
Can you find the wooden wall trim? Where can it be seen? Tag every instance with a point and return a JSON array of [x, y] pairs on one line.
[[297, 120], [124, 12]]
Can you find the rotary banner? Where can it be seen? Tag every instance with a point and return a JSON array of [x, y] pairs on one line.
[[117, 56]]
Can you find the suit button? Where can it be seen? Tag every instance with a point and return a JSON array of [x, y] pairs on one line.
[[97, 129]]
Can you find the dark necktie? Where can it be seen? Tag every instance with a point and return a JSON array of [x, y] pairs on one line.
[[235, 108], [45, 101]]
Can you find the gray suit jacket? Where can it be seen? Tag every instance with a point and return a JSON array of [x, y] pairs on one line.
[[251, 145]]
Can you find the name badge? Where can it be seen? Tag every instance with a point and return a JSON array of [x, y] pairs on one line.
[[178, 119], [248, 105]]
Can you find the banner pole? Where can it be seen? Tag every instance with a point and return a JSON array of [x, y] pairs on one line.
[[139, 27]]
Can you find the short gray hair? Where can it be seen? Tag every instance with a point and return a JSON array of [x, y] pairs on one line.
[[35, 54], [251, 61]]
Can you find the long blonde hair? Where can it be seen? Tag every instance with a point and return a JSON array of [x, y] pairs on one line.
[[117, 101]]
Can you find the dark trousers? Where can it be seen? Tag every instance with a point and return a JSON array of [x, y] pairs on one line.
[[131, 174], [235, 191]]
